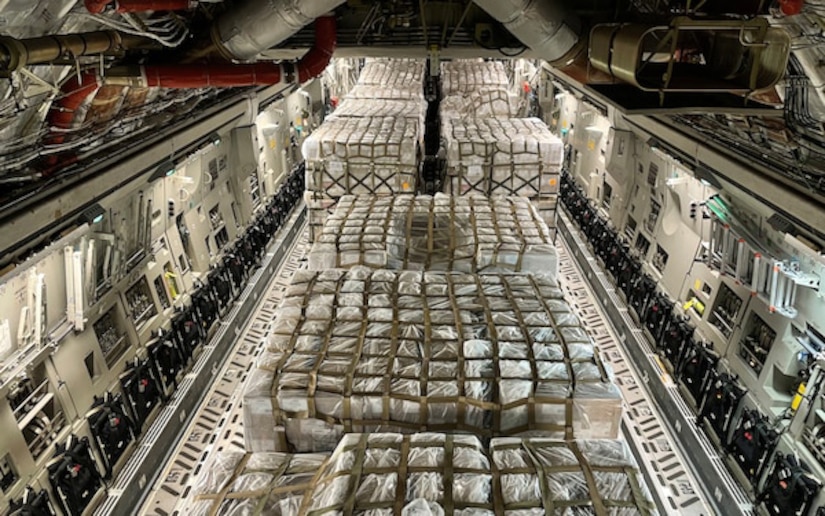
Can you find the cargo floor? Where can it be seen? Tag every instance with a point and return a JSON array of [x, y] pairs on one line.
[[218, 423]]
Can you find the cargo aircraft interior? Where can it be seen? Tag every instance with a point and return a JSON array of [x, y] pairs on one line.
[[412, 257]]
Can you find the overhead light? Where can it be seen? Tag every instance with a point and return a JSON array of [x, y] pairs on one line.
[[215, 139], [165, 169], [654, 143], [92, 215]]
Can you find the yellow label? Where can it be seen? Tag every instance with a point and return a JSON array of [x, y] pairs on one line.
[[591, 144], [697, 285], [405, 185], [552, 182]]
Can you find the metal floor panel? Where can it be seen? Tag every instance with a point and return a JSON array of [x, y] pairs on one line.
[[669, 479], [217, 424]]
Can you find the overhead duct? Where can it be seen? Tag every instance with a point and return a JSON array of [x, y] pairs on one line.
[[542, 25], [258, 25], [68, 110], [227, 75], [18, 53]]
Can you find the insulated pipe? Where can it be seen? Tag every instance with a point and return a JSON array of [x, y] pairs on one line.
[[76, 94], [17, 53], [258, 25], [227, 75], [542, 25], [139, 6]]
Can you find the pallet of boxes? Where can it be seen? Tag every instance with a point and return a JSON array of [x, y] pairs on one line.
[[489, 151], [426, 363], [371, 143]]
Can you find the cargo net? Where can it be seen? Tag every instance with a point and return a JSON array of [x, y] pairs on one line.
[[253, 483], [453, 475], [413, 111], [377, 156], [468, 75], [496, 102], [496, 156], [393, 73], [412, 92], [496, 354], [465, 234]]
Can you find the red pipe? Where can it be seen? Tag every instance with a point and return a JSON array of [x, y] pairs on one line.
[[138, 6], [226, 75], [317, 59], [212, 75], [64, 110]]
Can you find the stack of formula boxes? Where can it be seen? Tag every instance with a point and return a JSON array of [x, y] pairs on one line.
[[371, 143], [489, 151]]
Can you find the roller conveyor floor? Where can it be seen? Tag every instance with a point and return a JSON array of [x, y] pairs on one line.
[[218, 425]]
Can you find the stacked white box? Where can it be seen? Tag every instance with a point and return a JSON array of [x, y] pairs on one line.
[[234, 482], [468, 75], [393, 73], [410, 92], [492, 354], [377, 156], [437, 474], [412, 110], [498, 103], [494, 156], [464, 234]]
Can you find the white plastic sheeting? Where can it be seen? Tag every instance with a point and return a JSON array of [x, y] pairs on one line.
[[393, 73], [495, 156], [362, 350], [466, 234], [462, 76], [241, 483]]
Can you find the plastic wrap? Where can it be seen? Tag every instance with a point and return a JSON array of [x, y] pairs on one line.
[[493, 354], [437, 474], [491, 102], [461, 76], [412, 92], [465, 234], [417, 475], [409, 109], [582, 476], [393, 73], [362, 156], [495, 156], [253, 483]]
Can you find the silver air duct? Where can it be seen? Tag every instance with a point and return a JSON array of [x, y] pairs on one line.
[[542, 25], [258, 25]]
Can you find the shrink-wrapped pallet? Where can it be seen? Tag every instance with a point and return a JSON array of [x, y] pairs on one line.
[[538, 476], [253, 483], [376, 156], [387, 474], [411, 110], [492, 102], [412, 92], [466, 75], [465, 234], [493, 354], [496, 156], [453, 475], [393, 73]]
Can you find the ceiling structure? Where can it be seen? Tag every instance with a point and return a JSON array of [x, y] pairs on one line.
[[141, 65]]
